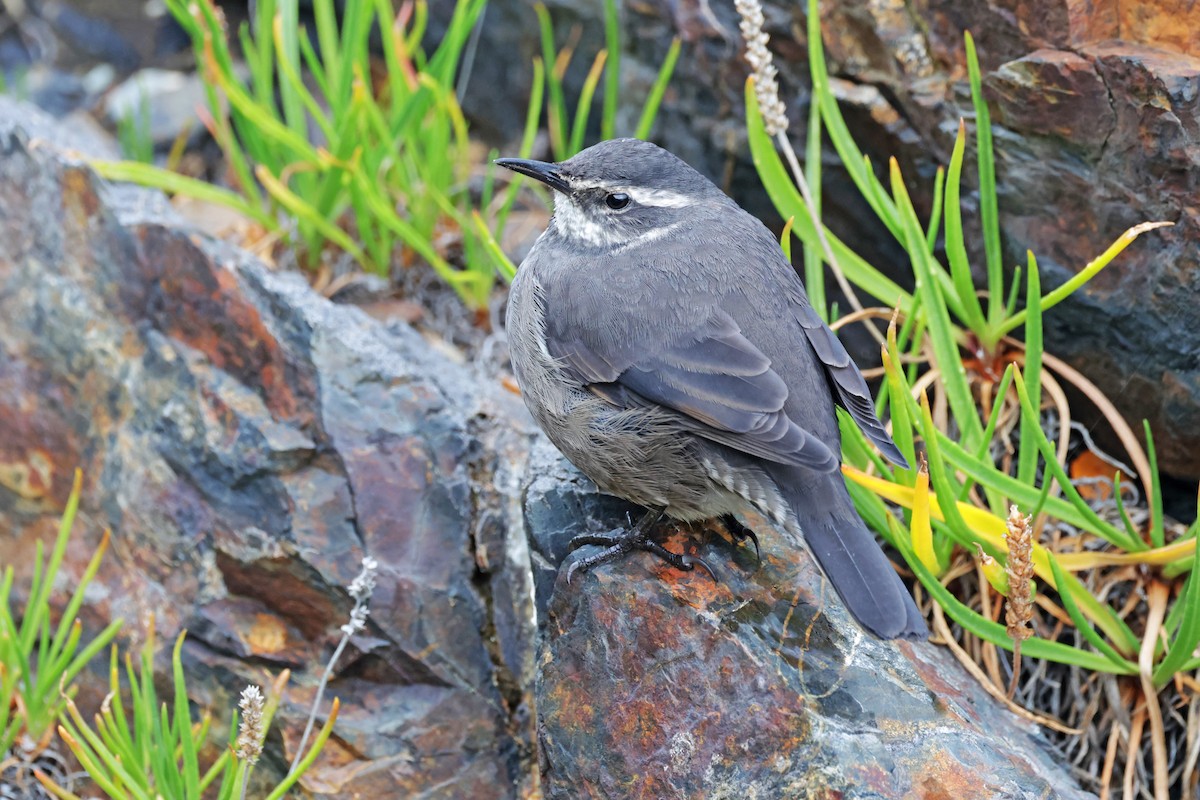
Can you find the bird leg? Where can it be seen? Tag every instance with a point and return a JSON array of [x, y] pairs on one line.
[[740, 532], [620, 544]]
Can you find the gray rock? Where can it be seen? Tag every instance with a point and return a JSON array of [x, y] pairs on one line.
[[248, 442], [161, 103], [656, 683]]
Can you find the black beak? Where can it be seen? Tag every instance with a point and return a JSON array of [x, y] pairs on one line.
[[549, 174]]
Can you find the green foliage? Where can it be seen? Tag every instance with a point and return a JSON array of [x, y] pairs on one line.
[[151, 748], [370, 167], [567, 130], [133, 134], [148, 750], [39, 661], [376, 168], [977, 376]]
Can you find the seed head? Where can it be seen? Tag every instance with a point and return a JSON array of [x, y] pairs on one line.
[[250, 729], [364, 583], [766, 85], [1019, 566]]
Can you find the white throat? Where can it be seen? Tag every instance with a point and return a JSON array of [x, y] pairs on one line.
[[572, 223]]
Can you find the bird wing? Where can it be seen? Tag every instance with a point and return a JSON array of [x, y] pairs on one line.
[[720, 385], [846, 380]]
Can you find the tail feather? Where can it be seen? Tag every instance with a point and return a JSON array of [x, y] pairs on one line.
[[854, 563]]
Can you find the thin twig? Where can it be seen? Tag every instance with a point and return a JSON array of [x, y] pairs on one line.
[[360, 589], [1157, 598], [943, 630], [811, 205]]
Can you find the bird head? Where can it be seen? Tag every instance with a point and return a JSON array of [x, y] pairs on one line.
[[620, 192]]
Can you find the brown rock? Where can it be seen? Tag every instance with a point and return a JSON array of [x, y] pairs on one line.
[[662, 684], [248, 443]]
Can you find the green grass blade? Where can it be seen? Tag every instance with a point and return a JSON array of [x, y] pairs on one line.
[[303, 211], [296, 88], [986, 475], [286, 26], [814, 262], [1093, 521], [935, 213], [994, 632], [902, 417], [657, 90], [583, 110], [38, 607], [1031, 426], [500, 259], [1084, 627], [949, 362], [839, 132], [331, 60], [956, 251], [1157, 535], [557, 111], [532, 115], [988, 212], [310, 757], [612, 70], [191, 764], [1056, 296], [1188, 635], [788, 201]]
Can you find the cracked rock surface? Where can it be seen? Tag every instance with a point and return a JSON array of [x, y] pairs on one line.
[[248, 442], [657, 683]]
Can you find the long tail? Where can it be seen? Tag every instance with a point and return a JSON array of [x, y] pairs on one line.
[[851, 558]]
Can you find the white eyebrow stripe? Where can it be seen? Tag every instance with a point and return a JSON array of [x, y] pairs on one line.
[[662, 198]]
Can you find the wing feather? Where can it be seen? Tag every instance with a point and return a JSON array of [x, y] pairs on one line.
[[847, 381], [719, 385]]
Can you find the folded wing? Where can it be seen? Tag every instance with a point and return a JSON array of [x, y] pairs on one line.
[[719, 385]]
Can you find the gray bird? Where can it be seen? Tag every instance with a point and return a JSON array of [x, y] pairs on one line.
[[666, 346]]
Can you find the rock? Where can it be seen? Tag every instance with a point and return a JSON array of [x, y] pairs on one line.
[[1101, 141], [657, 683], [161, 103], [78, 134], [248, 443]]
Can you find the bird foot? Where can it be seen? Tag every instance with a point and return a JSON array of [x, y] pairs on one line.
[[620, 544], [740, 532]]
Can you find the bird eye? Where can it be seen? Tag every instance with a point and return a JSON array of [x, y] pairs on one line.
[[616, 201]]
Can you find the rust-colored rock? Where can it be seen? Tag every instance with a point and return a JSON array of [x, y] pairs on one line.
[[248, 443], [661, 684], [249, 449]]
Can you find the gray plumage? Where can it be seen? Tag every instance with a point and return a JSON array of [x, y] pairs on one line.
[[670, 351]]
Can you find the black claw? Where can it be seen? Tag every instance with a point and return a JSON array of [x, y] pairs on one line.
[[741, 533], [618, 544], [691, 561]]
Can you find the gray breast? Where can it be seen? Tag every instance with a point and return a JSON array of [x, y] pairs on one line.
[[641, 454]]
